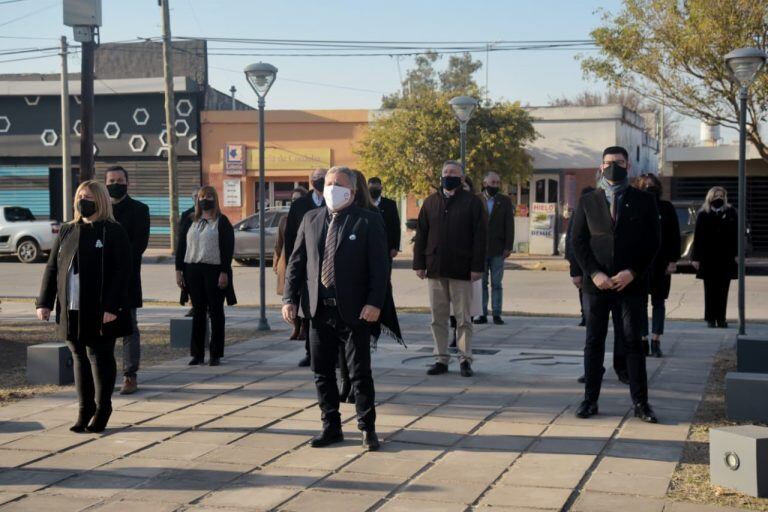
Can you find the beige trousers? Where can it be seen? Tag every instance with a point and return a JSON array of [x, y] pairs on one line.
[[442, 294]]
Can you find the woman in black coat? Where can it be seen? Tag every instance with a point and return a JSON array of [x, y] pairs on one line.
[[715, 248], [204, 271], [665, 262], [86, 280]]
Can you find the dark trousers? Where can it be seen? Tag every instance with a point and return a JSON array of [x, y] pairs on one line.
[[629, 310], [328, 332], [202, 281], [619, 358], [716, 298], [658, 312], [95, 371]]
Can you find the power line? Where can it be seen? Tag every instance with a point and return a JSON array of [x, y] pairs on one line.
[[24, 16]]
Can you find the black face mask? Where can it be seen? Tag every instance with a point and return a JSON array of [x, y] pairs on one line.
[[375, 193], [206, 204], [318, 185], [614, 172], [492, 191], [86, 207], [653, 190], [717, 203], [451, 182], [117, 190]]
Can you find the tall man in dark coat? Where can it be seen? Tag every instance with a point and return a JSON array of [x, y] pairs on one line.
[[388, 209], [615, 238], [340, 259], [450, 252], [299, 208], [501, 240], [133, 216]]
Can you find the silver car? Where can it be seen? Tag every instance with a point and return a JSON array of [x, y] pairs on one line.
[[247, 236]]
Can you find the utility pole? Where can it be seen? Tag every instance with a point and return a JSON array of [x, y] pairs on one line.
[[232, 91], [66, 162], [170, 124], [87, 109]]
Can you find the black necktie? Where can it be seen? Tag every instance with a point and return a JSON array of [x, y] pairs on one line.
[[328, 274]]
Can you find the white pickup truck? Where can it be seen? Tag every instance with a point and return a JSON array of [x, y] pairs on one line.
[[22, 235]]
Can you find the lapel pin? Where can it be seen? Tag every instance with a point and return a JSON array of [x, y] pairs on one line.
[[352, 237], [99, 245]]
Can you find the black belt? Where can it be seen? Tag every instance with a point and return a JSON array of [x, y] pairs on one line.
[[329, 302]]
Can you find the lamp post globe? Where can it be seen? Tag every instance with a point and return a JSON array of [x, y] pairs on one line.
[[261, 76], [744, 64], [463, 108]]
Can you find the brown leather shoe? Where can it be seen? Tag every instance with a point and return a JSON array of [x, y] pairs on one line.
[[130, 386]]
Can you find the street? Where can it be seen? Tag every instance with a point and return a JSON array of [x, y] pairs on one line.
[[525, 291]]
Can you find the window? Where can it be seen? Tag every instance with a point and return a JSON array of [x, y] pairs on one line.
[[18, 214]]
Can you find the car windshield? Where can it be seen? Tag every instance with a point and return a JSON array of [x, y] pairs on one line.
[[18, 214]]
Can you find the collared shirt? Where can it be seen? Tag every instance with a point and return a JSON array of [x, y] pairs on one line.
[[318, 200], [377, 202], [490, 202]]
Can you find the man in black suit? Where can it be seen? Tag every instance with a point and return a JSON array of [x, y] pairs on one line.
[[133, 216], [298, 209], [388, 209], [615, 238], [341, 255]]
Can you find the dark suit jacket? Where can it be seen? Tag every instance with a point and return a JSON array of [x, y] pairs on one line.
[[226, 248], [298, 209], [133, 215], [669, 251], [104, 286], [388, 209], [716, 244], [451, 236], [631, 244], [361, 262], [501, 224]]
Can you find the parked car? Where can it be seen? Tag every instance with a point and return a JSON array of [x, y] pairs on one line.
[[247, 236], [21, 234]]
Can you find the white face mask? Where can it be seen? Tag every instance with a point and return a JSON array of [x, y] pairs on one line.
[[336, 197]]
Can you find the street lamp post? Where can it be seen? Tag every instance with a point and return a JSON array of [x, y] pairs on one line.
[[744, 64], [261, 76], [463, 108]]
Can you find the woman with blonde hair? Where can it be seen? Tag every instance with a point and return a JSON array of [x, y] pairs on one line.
[[715, 247], [204, 269], [86, 281]]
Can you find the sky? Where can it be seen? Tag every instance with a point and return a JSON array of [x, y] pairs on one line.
[[531, 77]]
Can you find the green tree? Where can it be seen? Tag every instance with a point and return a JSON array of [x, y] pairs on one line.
[[407, 146], [456, 78], [671, 51]]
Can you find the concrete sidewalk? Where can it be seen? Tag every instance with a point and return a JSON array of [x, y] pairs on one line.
[[235, 437]]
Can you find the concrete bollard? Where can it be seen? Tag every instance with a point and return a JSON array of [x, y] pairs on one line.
[[181, 332], [50, 363], [738, 459]]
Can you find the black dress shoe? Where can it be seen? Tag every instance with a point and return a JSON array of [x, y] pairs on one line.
[[305, 362], [711, 325], [437, 369], [656, 348], [644, 347], [480, 320], [497, 320], [582, 379], [645, 413], [196, 360], [215, 361], [370, 441], [722, 324], [466, 369], [586, 409], [328, 437], [582, 323], [623, 378], [100, 420]]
